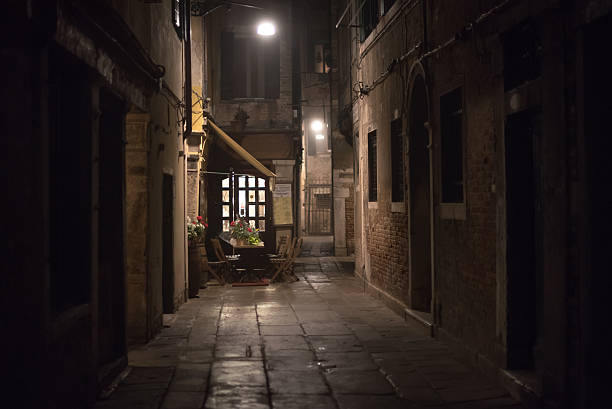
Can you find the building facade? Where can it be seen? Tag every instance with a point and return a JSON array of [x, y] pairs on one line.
[[98, 91], [476, 130]]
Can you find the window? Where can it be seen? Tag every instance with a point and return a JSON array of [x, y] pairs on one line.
[[320, 58], [397, 161], [368, 17], [248, 201], [372, 175], [178, 12], [451, 124], [250, 66], [522, 55]]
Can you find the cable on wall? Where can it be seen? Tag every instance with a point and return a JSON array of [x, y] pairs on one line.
[[362, 90]]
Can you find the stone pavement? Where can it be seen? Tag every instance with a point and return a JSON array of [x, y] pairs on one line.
[[316, 343]]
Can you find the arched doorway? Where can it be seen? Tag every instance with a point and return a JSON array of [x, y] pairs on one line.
[[420, 198]]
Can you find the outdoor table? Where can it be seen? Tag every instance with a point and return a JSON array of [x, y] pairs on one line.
[[252, 259]]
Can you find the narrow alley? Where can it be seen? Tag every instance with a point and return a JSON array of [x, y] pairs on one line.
[[345, 204], [315, 343]]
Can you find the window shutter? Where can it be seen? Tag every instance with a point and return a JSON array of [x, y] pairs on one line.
[[227, 64], [272, 86]]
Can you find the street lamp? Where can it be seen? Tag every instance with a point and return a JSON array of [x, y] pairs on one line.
[[316, 125], [266, 29]]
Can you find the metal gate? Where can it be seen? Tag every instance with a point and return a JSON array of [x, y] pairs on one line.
[[318, 217]]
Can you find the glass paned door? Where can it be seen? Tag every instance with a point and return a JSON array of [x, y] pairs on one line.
[[249, 201]]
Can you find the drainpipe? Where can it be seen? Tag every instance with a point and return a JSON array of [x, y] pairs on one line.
[[187, 90], [331, 131], [187, 117], [432, 303]]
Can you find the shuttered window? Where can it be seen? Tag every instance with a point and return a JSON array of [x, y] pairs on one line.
[[397, 161], [451, 126], [372, 164], [250, 67]]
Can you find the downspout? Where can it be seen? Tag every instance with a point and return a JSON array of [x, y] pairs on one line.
[[432, 242], [187, 127], [187, 90], [297, 105], [331, 131]]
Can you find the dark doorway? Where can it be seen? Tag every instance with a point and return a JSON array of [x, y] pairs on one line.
[[420, 203], [598, 246], [523, 270], [111, 259], [167, 244]]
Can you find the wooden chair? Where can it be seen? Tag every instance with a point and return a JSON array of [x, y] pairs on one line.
[[285, 266], [281, 250], [281, 257], [223, 264]]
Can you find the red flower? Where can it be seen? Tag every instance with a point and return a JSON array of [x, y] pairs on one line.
[[232, 223], [206, 225], [200, 218], [249, 229], [194, 222]]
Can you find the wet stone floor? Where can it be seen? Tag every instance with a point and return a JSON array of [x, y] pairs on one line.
[[315, 343]]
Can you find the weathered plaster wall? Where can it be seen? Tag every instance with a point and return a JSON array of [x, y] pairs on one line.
[[162, 139]]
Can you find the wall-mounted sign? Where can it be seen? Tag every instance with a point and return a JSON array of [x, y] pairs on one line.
[[283, 208]]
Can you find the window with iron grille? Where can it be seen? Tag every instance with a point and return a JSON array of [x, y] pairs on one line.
[[372, 163], [397, 161], [451, 129]]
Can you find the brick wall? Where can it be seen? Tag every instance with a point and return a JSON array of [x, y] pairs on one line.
[[387, 243]]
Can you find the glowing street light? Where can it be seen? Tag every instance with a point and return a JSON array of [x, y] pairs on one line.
[[316, 125], [319, 136], [266, 29]]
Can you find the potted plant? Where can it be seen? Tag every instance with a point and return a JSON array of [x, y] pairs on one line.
[[195, 231], [195, 235], [241, 231]]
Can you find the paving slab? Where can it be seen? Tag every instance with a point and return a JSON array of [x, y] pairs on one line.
[[238, 373], [359, 382], [190, 378], [281, 330], [183, 400], [370, 402], [297, 382], [238, 398], [303, 402]]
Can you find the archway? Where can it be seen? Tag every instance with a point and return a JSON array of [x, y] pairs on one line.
[[420, 198]]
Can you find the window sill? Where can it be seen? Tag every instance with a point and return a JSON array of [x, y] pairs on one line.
[[453, 211], [398, 207], [372, 205]]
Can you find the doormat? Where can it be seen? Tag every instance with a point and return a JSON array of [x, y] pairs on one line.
[[263, 282]]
